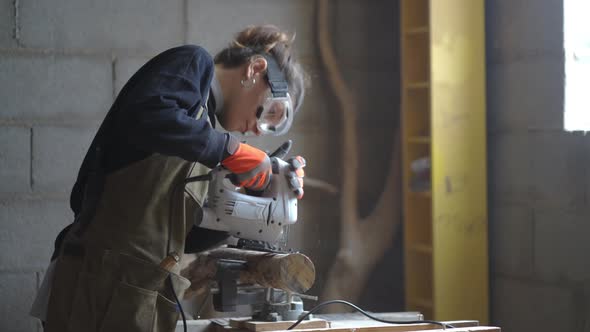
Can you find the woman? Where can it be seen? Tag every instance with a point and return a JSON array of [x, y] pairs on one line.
[[111, 268]]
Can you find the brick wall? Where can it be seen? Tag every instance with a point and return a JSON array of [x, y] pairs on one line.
[[62, 62], [538, 174]]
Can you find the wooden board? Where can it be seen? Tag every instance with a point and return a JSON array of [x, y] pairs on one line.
[[320, 325], [405, 328], [274, 326], [238, 324], [370, 323]]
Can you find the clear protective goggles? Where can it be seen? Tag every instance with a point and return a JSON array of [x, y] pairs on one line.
[[275, 116]]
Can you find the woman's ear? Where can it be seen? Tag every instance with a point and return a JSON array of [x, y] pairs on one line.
[[257, 66]]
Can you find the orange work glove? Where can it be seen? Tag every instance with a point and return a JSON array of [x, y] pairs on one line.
[[251, 166]]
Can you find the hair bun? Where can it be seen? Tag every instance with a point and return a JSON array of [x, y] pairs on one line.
[[262, 38]]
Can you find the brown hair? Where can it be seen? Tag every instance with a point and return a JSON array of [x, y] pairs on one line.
[[257, 40]]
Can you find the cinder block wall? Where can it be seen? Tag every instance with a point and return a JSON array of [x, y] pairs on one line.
[[62, 62], [538, 175]]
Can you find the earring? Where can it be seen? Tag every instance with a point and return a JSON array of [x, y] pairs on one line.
[[249, 84]]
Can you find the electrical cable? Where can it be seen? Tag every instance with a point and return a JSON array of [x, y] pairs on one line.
[[203, 177], [317, 307], [179, 185], [178, 303]]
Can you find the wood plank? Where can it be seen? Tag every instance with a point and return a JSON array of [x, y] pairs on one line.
[[462, 323], [469, 329], [239, 323], [274, 326], [405, 328], [363, 324]]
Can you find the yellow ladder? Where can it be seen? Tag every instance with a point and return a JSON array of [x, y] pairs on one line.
[[443, 121]]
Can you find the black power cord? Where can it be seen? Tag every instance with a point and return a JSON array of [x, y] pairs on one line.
[[204, 177], [316, 308], [177, 303], [178, 186]]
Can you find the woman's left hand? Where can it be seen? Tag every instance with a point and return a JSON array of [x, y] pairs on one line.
[[296, 175]]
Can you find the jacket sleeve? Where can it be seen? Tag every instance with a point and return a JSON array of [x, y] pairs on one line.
[[159, 112]]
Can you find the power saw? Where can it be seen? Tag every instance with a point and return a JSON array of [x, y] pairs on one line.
[[259, 220]]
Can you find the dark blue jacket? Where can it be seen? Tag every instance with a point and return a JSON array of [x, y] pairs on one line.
[[155, 113]]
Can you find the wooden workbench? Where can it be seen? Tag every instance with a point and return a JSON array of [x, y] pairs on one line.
[[333, 323]]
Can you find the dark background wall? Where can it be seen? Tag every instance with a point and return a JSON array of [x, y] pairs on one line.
[[538, 174]]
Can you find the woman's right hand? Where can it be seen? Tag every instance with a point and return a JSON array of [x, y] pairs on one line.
[[251, 167]]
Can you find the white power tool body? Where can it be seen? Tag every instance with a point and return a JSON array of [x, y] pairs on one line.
[[246, 216]]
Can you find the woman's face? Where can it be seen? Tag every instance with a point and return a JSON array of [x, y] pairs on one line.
[[240, 110]]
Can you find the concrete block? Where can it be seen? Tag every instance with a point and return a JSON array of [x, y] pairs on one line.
[[559, 170], [517, 26], [561, 246], [143, 25], [17, 291], [125, 67], [523, 95], [511, 240], [509, 170], [529, 306], [213, 24], [56, 88], [15, 159], [57, 155], [7, 24], [35, 223]]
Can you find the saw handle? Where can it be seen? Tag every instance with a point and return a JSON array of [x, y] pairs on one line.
[[282, 150]]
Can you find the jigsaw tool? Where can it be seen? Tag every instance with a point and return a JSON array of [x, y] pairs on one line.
[[260, 221]]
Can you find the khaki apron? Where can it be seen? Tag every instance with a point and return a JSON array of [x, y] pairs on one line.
[[111, 280]]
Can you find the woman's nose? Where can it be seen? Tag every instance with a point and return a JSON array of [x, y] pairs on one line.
[[256, 131]]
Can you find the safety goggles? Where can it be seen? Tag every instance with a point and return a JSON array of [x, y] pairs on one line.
[[275, 115]]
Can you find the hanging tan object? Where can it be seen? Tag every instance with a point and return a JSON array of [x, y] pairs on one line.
[[363, 241]]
